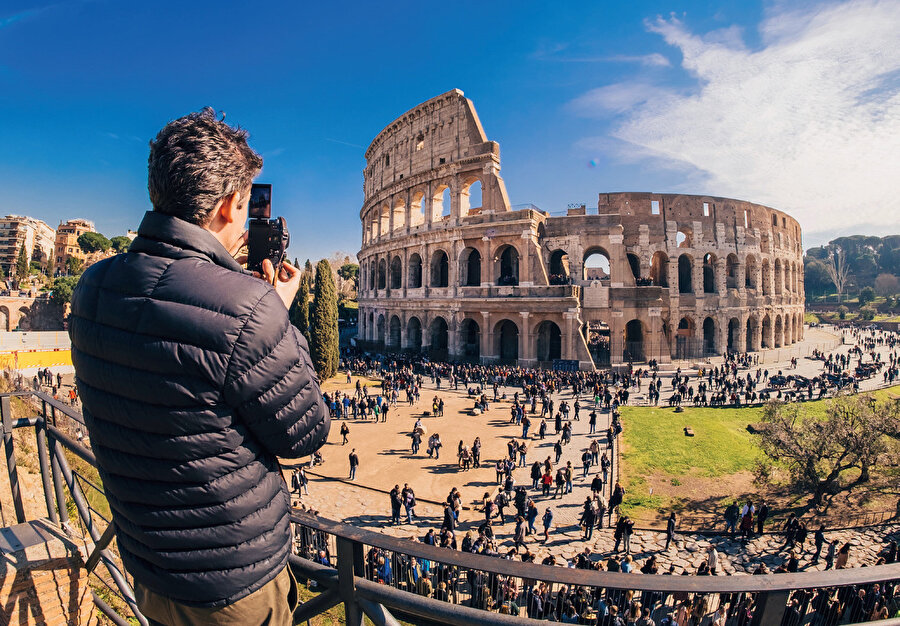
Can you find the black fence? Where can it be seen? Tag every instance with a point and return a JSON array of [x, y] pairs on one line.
[[377, 575]]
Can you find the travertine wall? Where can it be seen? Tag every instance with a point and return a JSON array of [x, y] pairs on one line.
[[687, 276]]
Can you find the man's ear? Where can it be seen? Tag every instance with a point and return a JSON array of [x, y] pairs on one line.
[[227, 208]]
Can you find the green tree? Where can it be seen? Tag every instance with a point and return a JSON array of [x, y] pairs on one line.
[[74, 265], [299, 312], [51, 266], [22, 264], [93, 242], [323, 324], [308, 268], [120, 243], [62, 290], [866, 295]]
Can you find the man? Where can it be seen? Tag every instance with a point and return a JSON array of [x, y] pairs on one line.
[[354, 463], [396, 504], [193, 382], [670, 530]]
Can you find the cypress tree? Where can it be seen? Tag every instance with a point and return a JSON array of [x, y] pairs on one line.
[[22, 263], [300, 309], [323, 325]]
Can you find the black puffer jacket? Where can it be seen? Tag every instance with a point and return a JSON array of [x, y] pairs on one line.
[[193, 381]]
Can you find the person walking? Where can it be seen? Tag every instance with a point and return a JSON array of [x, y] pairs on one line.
[[409, 502], [547, 521], [670, 530], [345, 430], [354, 463], [819, 541], [396, 504]]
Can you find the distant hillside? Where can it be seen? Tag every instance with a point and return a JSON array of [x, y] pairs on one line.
[[872, 262]]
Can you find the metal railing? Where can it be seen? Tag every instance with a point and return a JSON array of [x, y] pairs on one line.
[[380, 576]]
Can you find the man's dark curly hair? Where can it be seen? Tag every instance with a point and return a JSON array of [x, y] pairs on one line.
[[195, 161]]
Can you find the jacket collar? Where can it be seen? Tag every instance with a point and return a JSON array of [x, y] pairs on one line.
[[167, 235]]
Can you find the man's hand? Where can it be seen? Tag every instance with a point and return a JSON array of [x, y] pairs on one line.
[[286, 284]]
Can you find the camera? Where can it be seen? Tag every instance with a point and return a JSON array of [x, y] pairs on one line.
[[268, 238]]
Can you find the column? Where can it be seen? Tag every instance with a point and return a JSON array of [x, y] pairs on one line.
[[697, 275], [742, 334], [568, 351], [428, 207], [526, 340], [487, 336], [721, 278]]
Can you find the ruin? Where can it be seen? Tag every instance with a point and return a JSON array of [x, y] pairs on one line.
[[643, 276]]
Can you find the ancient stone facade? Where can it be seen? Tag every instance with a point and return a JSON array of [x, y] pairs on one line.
[[644, 276]]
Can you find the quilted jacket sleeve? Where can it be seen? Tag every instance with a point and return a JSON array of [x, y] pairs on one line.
[[272, 385]]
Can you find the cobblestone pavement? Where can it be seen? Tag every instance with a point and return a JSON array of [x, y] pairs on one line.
[[385, 460]]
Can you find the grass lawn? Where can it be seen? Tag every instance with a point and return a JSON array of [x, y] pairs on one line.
[[655, 451]]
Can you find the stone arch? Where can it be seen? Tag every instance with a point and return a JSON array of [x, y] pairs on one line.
[[731, 271], [779, 278], [396, 273], [634, 263], [548, 341], [734, 335], [373, 284], [439, 332], [469, 195], [751, 332], [709, 336], [4, 318], [417, 208], [470, 338], [779, 332], [634, 335], [384, 221], [506, 340], [684, 238], [370, 327], [393, 336], [399, 213], [414, 273], [596, 264], [685, 274], [379, 328], [506, 265], [709, 273], [659, 269], [470, 267], [440, 203], [766, 341], [686, 338], [559, 267], [440, 269], [414, 334], [750, 272], [382, 274]]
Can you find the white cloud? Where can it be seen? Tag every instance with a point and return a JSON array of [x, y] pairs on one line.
[[809, 123]]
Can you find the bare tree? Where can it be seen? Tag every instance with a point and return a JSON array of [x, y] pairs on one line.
[[857, 433], [838, 269]]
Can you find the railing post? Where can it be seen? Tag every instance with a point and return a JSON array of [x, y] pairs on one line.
[[6, 411], [350, 562], [58, 482], [771, 606], [40, 435]]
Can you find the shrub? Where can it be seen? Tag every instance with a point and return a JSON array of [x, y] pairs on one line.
[[842, 312]]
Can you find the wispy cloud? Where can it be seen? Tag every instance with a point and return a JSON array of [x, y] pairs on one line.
[[26, 14], [344, 143], [809, 122], [556, 53]]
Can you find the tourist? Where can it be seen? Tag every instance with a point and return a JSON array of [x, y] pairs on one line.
[[670, 530], [345, 430], [547, 521], [354, 463], [396, 503]]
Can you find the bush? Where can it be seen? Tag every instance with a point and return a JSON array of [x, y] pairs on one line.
[[866, 295], [867, 313], [887, 305], [842, 312]]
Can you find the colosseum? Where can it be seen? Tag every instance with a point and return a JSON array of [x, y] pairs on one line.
[[643, 276]]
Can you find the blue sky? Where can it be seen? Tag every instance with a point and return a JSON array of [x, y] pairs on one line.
[[794, 105]]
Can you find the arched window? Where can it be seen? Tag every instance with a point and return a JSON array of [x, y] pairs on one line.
[[709, 273], [414, 274], [731, 271], [635, 264], [659, 269], [750, 272], [634, 341], [393, 339], [470, 268], [683, 238], [439, 340], [416, 209], [399, 214], [596, 265], [470, 338], [396, 273], [440, 269], [470, 198], [382, 274], [440, 204], [549, 341], [506, 337], [709, 336], [507, 266], [559, 267], [685, 274], [414, 334]]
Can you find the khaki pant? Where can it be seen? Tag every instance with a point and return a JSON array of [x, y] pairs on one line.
[[272, 604]]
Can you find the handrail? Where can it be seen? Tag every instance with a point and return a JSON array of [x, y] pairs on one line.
[[610, 580]]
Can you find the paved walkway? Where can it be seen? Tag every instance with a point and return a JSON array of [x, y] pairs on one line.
[[385, 460]]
